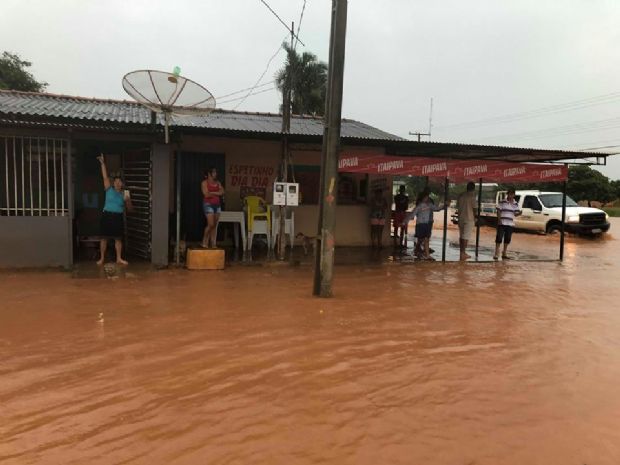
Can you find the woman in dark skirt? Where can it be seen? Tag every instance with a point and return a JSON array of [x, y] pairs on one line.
[[112, 219]]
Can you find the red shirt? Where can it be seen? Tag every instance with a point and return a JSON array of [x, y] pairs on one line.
[[212, 199]]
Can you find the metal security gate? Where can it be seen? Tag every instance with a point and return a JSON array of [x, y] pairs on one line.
[[33, 176], [137, 176]]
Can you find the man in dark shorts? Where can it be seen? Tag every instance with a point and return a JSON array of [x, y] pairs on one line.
[[507, 209]]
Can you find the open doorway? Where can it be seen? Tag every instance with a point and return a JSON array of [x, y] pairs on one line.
[[132, 161], [192, 167]]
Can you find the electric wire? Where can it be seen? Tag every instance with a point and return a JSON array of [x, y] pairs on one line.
[[248, 95], [283, 23], [301, 18], [579, 128], [536, 113], [243, 90], [263, 74]]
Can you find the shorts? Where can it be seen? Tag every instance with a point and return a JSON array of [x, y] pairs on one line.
[[423, 230], [377, 218], [466, 231], [211, 209], [504, 232], [399, 218], [112, 225]]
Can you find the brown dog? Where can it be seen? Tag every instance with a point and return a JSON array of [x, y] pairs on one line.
[[307, 242]]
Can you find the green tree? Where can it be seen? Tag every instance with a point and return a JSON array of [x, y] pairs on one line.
[[584, 183], [14, 76], [615, 187], [308, 78]]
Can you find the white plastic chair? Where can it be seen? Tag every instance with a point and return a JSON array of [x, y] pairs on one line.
[[259, 226], [289, 228]]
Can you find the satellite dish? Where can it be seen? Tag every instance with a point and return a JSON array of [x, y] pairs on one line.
[[168, 93]]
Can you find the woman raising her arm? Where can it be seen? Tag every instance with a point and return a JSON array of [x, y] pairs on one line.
[[112, 221]]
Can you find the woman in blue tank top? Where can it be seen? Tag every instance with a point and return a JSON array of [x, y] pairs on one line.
[[112, 219]]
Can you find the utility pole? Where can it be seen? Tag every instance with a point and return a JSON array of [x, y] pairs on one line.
[[324, 255], [430, 126], [420, 134], [286, 129]]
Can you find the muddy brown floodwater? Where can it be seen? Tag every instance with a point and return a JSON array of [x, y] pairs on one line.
[[456, 364]]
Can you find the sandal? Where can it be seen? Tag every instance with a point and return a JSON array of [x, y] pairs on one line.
[[506, 257], [495, 257]]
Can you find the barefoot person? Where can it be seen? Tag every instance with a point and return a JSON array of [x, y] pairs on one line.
[[401, 205], [378, 212], [423, 213], [466, 204], [112, 221], [506, 212], [212, 192]]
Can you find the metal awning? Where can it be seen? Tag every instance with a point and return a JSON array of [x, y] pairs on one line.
[[457, 151]]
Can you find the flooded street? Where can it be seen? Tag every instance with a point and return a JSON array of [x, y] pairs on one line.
[[411, 363]]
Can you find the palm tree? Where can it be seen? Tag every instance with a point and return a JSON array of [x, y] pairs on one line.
[[308, 81]]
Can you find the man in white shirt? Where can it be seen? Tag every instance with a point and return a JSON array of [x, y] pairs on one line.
[[466, 204], [506, 211]]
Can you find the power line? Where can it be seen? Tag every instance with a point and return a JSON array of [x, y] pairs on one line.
[[599, 148], [594, 142], [610, 123], [301, 18], [263, 74], [283, 23], [247, 95], [536, 113], [243, 90]]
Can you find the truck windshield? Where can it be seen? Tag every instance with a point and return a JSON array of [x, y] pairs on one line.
[[555, 200]]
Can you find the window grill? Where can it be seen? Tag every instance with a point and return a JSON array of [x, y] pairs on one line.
[[33, 173]]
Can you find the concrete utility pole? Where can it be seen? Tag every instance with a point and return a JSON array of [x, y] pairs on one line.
[[286, 129], [420, 134], [324, 254], [430, 126]]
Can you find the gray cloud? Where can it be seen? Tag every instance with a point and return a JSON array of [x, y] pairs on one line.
[[477, 59]]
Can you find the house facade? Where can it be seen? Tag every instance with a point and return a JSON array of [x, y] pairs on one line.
[[51, 193]]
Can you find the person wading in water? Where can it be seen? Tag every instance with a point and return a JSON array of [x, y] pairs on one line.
[[212, 192]]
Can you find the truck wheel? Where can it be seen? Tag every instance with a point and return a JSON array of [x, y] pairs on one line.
[[554, 228]]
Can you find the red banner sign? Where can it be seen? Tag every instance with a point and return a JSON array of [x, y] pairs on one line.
[[456, 170], [384, 164]]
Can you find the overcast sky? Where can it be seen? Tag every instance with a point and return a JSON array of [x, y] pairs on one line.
[[478, 59]]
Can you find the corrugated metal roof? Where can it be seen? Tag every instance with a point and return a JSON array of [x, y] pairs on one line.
[[125, 112], [51, 110]]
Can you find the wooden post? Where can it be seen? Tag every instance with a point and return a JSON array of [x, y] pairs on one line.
[[324, 263], [478, 216], [562, 232], [445, 220]]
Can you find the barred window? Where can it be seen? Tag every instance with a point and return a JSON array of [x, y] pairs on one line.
[[33, 176]]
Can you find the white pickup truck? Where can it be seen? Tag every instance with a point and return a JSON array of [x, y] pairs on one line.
[[542, 212]]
